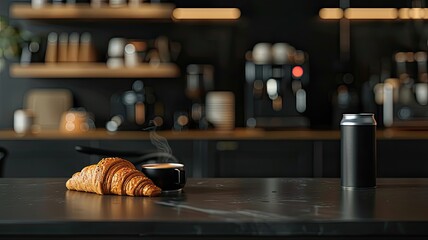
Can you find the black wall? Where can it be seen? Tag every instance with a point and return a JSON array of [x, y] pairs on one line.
[[224, 44]]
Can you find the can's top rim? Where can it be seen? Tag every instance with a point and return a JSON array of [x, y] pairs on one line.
[[358, 119], [358, 115]]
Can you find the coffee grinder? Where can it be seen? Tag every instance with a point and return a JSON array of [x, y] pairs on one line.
[[277, 76]]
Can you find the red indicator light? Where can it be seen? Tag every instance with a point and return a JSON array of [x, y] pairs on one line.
[[297, 71]]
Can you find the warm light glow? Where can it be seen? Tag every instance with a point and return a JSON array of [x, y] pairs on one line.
[[331, 13], [416, 13], [425, 10], [371, 13], [374, 13], [403, 13], [413, 13], [206, 14]]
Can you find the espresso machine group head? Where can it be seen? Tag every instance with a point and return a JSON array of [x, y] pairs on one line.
[[277, 76]]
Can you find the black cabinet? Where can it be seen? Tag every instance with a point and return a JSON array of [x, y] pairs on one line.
[[403, 158], [395, 158], [327, 158], [252, 158], [219, 158], [58, 158], [43, 158]]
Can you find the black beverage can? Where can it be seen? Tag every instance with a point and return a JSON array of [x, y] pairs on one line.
[[358, 151]]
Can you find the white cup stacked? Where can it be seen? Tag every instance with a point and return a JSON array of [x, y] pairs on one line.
[[23, 121], [220, 109], [116, 48]]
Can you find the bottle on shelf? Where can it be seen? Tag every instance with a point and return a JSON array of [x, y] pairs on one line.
[[52, 48]]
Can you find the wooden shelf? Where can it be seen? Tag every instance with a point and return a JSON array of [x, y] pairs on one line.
[[191, 135], [85, 11], [92, 70], [237, 134]]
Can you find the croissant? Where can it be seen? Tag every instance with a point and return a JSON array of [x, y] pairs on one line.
[[113, 176]]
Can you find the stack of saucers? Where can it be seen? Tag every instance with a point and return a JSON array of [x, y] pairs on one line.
[[220, 109]]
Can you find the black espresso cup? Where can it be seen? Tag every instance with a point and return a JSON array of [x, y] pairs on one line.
[[167, 176]]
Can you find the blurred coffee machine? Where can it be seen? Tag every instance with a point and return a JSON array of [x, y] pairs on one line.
[[199, 81], [277, 76], [135, 109], [404, 99]]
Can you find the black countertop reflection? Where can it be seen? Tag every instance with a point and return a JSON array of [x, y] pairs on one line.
[[219, 207]]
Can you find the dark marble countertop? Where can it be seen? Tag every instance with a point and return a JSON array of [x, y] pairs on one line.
[[219, 207]]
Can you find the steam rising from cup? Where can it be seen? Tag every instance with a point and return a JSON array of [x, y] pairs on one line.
[[161, 144]]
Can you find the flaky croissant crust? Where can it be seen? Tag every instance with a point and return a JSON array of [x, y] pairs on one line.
[[113, 176]]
